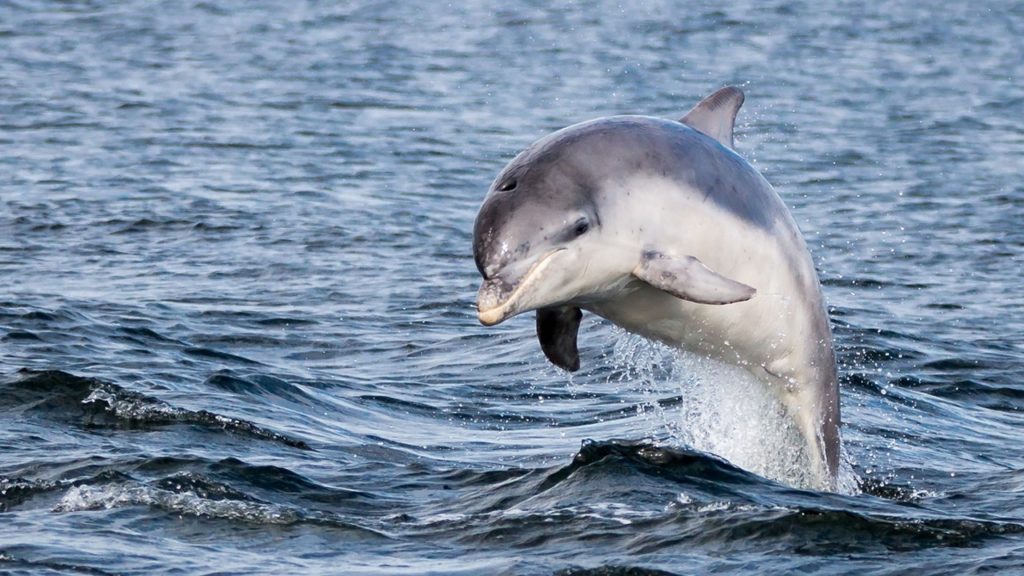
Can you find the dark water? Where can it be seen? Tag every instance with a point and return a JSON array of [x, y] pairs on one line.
[[237, 331]]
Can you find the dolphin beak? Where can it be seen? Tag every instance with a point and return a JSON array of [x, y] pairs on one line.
[[498, 300]]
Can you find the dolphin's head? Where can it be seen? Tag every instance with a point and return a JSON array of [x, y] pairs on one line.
[[537, 233]]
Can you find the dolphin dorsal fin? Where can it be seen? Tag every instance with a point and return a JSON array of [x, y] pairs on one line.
[[716, 114]]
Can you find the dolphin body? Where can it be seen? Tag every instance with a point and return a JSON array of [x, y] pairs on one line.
[[661, 228]]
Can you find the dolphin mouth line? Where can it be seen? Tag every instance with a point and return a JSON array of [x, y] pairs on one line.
[[502, 310]]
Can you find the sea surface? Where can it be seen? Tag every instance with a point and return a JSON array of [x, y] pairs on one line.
[[237, 322]]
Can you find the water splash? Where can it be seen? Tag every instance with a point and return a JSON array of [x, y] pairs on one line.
[[721, 409]]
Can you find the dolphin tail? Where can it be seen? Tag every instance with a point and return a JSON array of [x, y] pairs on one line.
[[818, 424]]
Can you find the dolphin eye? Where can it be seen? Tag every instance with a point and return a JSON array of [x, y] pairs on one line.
[[581, 226], [509, 184]]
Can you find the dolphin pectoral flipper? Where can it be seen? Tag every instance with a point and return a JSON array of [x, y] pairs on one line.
[[688, 278], [556, 330]]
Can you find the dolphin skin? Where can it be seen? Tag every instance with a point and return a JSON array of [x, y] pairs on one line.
[[660, 227]]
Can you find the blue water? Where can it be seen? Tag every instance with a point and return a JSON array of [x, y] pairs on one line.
[[237, 330]]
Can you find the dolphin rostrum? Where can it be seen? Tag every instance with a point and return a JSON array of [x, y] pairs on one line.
[[662, 228]]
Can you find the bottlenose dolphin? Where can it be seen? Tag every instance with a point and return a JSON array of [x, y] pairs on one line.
[[662, 228]]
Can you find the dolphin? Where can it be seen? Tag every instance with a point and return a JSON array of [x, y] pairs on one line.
[[660, 227]]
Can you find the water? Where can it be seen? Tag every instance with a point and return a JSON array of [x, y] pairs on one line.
[[237, 319]]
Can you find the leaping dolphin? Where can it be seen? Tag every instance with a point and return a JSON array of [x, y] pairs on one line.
[[662, 228]]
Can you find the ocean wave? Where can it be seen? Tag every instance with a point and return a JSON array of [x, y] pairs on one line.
[[92, 402], [200, 497], [179, 501]]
